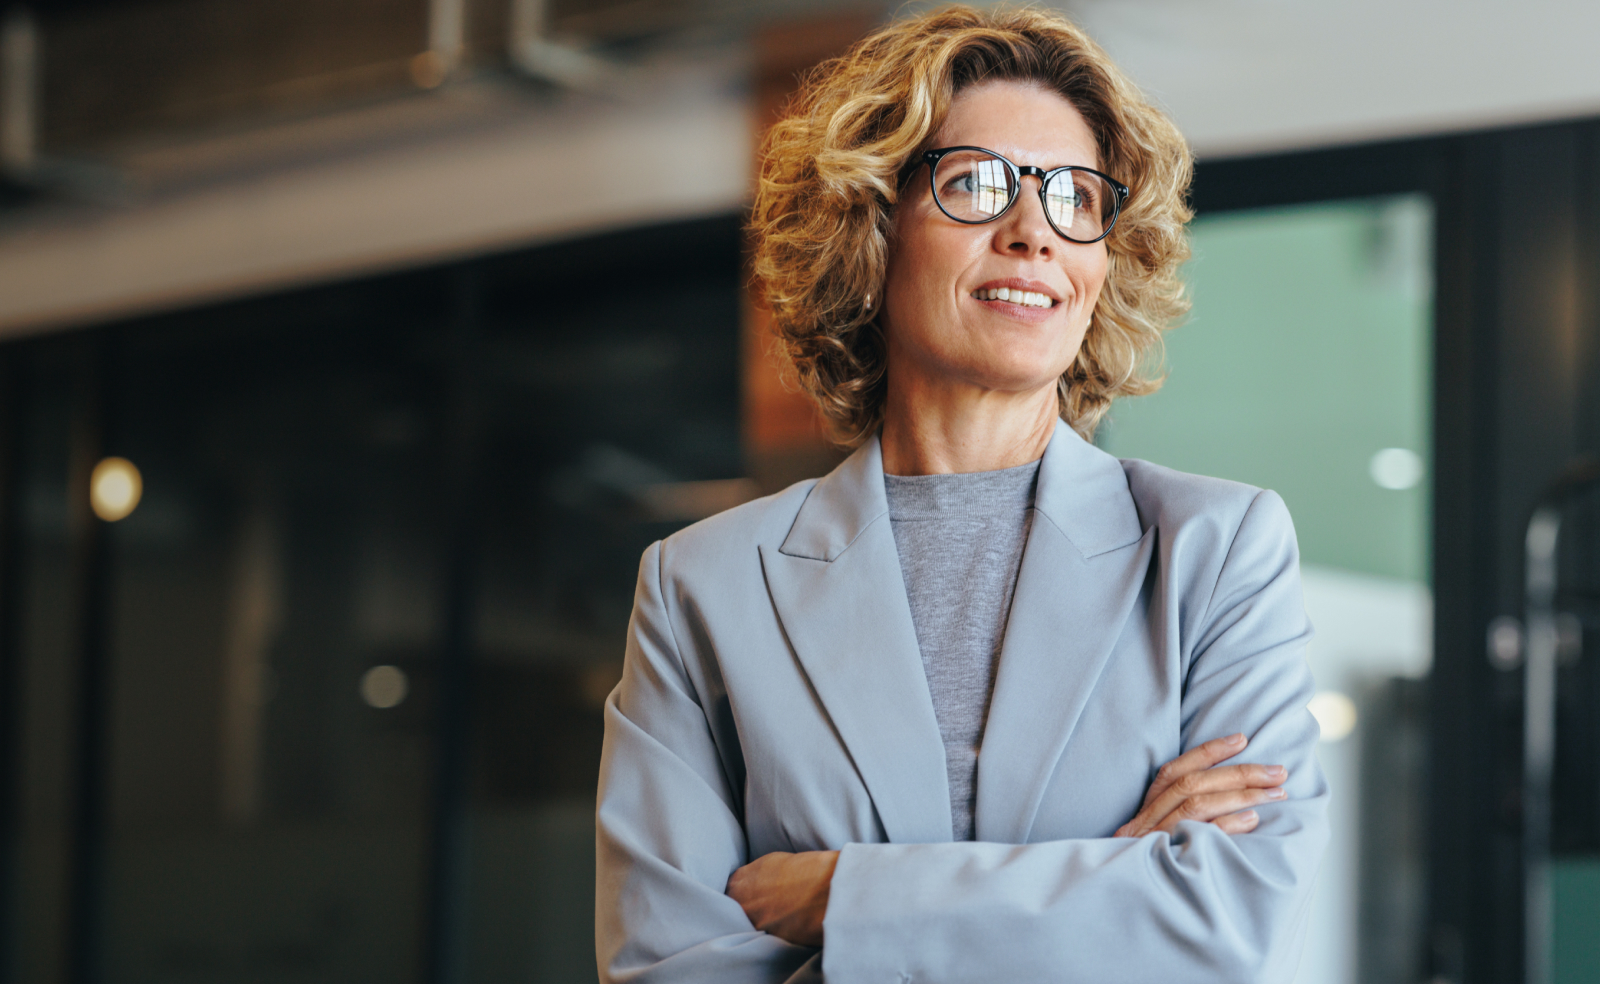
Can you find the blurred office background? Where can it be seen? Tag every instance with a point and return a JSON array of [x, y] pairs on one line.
[[351, 351]]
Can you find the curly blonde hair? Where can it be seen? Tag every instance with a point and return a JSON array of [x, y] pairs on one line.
[[833, 167]]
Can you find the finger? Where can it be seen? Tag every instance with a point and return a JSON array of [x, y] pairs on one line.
[[1197, 759], [1222, 778], [1238, 823], [1213, 805]]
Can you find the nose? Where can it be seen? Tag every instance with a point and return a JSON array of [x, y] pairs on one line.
[[1023, 231]]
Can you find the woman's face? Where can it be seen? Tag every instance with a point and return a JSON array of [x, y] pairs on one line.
[[935, 326]]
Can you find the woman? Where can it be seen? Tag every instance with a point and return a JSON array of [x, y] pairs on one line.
[[984, 703]]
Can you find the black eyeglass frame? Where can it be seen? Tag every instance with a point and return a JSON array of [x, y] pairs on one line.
[[1119, 190]]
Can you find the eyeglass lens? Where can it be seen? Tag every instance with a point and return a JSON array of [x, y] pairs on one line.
[[973, 186]]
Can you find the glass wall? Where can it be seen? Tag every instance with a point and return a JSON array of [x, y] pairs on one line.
[[1305, 368], [325, 705]]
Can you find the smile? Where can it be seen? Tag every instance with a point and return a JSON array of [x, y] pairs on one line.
[[1026, 298]]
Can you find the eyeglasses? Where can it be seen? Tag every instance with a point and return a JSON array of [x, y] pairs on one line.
[[974, 185]]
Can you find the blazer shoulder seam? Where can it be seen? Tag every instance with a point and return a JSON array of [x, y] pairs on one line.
[[672, 630], [1227, 555]]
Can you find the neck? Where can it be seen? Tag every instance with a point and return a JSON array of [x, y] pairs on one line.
[[934, 429]]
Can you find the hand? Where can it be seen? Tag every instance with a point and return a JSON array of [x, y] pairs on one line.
[[786, 894], [1193, 787]]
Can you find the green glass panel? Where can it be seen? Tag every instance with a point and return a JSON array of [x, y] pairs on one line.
[[1575, 893], [1307, 353]]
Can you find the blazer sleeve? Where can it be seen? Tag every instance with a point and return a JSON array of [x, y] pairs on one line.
[[667, 829], [1198, 905]]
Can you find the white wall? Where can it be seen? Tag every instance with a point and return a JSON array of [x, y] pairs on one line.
[[1242, 76]]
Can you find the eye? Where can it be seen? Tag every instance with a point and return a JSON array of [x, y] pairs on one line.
[[972, 183], [964, 183], [1062, 199]]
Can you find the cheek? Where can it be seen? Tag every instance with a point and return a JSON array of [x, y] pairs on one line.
[[902, 262], [1092, 279], [922, 268]]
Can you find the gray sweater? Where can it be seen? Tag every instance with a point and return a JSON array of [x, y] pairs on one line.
[[960, 540]]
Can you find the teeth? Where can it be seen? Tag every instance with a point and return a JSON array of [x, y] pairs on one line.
[[1027, 298]]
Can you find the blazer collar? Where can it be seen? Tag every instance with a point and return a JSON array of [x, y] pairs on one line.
[[1084, 491], [840, 506], [1081, 489], [838, 590], [837, 587]]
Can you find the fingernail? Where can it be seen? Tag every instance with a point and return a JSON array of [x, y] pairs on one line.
[[1276, 793], [1248, 816], [1235, 739], [1276, 770]]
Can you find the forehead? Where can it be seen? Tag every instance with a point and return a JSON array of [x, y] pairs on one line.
[[1027, 123]]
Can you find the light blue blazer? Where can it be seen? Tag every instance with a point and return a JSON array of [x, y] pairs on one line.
[[773, 699]]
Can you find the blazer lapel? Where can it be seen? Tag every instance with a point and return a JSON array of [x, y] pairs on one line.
[[1082, 569], [840, 596]]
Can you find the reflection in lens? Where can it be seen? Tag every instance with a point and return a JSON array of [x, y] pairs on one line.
[[971, 186], [1061, 200], [994, 190], [1078, 203]]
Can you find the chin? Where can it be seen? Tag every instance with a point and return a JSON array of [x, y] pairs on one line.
[[1019, 367], [1023, 376]]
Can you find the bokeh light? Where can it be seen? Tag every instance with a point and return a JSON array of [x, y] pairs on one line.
[[384, 686], [1335, 714], [115, 487], [1396, 468]]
